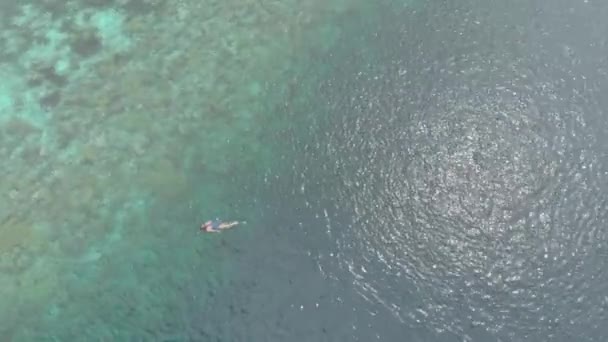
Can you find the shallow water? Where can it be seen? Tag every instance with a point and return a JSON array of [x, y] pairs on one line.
[[408, 171], [124, 125]]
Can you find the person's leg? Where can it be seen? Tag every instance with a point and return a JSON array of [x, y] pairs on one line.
[[228, 225]]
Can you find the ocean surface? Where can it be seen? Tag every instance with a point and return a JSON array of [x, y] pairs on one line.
[[405, 170]]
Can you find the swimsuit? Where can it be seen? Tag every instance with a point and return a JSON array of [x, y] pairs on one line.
[[215, 224]]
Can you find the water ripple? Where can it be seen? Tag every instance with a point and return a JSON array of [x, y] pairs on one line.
[[477, 204]]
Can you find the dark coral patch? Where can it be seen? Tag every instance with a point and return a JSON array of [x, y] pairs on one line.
[[141, 6], [42, 72], [50, 100], [99, 3], [86, 43]]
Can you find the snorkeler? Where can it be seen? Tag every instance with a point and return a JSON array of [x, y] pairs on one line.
[[216, 226]]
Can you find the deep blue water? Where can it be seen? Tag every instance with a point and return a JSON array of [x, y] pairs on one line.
[[443, 179]]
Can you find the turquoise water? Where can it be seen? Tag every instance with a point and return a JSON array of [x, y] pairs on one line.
[[125, 124], [408, 170]]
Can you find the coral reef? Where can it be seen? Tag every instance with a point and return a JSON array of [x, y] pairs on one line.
[[116, 117]]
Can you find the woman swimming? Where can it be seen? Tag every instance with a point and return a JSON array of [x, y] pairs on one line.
[[216, 226]]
